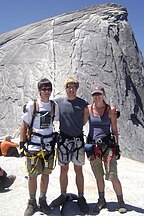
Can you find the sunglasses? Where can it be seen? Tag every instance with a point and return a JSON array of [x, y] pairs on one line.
[[72, 87], [46, 89]]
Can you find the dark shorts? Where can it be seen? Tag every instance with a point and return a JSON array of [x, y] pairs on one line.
[[37, 165]]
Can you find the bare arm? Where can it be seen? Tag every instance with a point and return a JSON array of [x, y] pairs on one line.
[[23, 131], [12, 144], [86, 115], [113, 118]]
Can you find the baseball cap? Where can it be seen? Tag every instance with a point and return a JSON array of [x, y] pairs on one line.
[[97, 89]]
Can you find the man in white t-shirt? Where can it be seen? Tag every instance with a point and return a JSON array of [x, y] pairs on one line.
[[39, 145]]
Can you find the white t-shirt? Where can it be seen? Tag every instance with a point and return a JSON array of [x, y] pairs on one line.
[[42, 122]]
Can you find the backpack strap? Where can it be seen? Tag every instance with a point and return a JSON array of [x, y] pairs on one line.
[[107, 109], [36, 108], [52, 109]]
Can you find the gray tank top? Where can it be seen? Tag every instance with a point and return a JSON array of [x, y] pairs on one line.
[[99, 126], [71, 115]]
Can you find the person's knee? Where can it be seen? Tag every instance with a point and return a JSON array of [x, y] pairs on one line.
[[113, 178], [32, 178], [44, 176], [78, 169], [64, 170]]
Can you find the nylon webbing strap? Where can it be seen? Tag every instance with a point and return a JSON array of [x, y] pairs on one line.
[[33, 116]]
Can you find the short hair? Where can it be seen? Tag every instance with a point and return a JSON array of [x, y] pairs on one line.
[[7, 138], [44, 83], [71, 80]]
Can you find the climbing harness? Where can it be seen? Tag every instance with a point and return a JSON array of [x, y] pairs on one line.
[[48, 149], [69, 146], [98, 147], [42, 155]]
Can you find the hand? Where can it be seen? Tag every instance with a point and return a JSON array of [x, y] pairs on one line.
[[117, 152]]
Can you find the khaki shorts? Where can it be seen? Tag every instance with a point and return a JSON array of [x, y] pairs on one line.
[[109, 169], [36, 165], [77, 157]]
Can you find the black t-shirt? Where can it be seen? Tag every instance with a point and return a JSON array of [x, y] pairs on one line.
[[71, 115]]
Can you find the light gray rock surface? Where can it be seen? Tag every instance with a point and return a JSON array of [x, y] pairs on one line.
[[14, 201], [96, 45]]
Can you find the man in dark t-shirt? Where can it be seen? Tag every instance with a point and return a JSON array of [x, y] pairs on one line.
[[72, 117]]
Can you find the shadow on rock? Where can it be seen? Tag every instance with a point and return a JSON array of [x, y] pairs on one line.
[[72, 208], [111, 206], [5, 190], [53, 212]]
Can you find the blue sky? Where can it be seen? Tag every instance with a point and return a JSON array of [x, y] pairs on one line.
[[17, 13]]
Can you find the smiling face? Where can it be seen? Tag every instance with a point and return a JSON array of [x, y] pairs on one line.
[[98, 94], [98, 97], [71, 90], [45, 93], [45, 89]]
